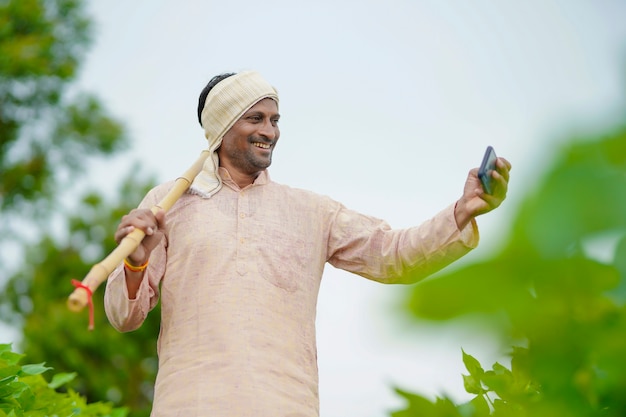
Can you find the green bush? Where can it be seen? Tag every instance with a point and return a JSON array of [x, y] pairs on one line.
[[24, 392], [555, 290]]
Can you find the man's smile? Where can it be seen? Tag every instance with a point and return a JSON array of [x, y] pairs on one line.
[[261, 145]]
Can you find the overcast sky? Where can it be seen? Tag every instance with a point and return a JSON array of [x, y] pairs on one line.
[[385, 107]]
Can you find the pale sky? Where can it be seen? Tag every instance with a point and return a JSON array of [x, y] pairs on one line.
[[385, 107]]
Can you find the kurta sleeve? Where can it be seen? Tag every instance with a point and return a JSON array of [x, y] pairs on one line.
[[369, 247], [123, 313]]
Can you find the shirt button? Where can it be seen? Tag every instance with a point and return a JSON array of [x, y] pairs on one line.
[[242, 215], [241, 240]]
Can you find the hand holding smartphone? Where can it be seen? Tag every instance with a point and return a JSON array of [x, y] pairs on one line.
[[484, 172]]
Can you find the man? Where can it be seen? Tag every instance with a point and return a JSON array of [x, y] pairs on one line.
[[238, 263]]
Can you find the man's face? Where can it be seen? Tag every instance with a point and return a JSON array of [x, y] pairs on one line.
[[247, 146]]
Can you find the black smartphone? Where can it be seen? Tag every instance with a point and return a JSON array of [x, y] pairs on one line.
[[484, 172]]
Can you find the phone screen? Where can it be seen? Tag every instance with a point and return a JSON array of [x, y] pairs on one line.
[[484, 172]]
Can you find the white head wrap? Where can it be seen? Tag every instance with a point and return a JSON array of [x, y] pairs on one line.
[[227, 101]]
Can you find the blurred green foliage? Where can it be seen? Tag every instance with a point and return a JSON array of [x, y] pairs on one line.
[[49, 132], [566, 305], [25, 392], [563, 302], [111, 366]]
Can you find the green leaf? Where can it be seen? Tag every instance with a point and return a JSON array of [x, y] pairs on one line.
[[7, 379], [59, 380], [11, 358], [18, 388], [473, 366], [35, 369], [444, 407], [9, 372], [477, 407], [500, 369], [7, 390], [472, 385], [499, 382], [416, 403]]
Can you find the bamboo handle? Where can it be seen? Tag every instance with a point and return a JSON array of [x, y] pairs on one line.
[[99, 273]]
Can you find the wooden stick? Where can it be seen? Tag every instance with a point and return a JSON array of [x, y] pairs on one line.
[[101, 271]]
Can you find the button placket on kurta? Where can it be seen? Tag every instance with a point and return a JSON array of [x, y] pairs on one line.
[[243, 243]]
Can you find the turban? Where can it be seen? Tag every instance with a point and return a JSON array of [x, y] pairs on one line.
[[227, 101]]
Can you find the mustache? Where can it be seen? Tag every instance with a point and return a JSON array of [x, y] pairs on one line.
[[261, 139]]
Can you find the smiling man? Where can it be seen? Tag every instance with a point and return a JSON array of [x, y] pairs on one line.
[[247, 147], [238, 262]]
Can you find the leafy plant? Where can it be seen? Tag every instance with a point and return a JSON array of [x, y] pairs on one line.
[[24, 392], [50, 131], [112, 366], [561, 301]]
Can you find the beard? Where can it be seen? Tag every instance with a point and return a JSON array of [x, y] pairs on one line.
[[251, 159]]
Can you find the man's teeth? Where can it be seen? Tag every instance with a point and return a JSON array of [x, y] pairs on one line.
[[262, 145]]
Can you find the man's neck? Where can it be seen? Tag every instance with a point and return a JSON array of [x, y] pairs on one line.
[[242, 179]]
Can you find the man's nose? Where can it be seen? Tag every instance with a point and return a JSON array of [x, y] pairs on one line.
[[268, 130]]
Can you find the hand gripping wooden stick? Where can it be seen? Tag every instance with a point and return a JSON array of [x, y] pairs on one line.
[[101, 271]]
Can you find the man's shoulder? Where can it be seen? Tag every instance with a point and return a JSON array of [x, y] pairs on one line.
[[156, 193], [302, 194], [290, 189], [162, 189]]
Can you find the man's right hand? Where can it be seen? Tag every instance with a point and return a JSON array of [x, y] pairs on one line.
[[151, 224]]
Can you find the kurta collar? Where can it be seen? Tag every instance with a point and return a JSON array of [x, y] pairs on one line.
[[262, 179]]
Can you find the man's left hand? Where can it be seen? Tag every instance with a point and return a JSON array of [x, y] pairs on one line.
[[475, 201]]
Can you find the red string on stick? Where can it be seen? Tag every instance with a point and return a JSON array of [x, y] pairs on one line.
[[79, 284]]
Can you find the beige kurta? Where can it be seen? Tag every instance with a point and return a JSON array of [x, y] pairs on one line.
[[238, 276]]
